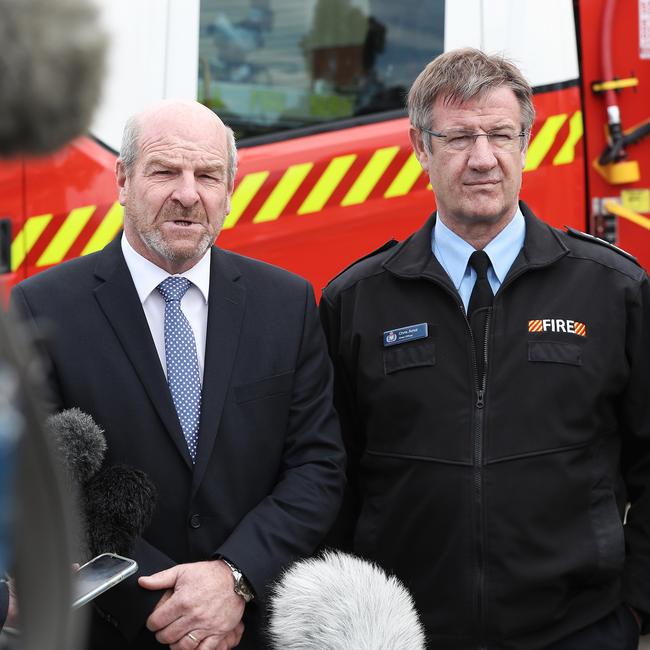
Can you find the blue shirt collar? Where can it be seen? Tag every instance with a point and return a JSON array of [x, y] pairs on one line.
[[453, 252]]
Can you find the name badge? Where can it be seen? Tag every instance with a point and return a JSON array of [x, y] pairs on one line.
[[406, 333]]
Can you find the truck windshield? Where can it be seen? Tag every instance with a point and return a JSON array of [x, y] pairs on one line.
[[273, 65]]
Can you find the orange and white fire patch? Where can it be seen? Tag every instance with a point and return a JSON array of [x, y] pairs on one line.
[[564, 325]]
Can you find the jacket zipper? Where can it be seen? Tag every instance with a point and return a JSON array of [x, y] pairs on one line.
[[480, 390], [480, 387]]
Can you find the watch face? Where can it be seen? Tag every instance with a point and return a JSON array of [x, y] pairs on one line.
[[243, 590]]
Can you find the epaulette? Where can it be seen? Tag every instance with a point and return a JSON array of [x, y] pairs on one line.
[[384, 247], [578, 234]]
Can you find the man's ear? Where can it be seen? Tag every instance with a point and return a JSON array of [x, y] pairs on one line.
[[122, 180], [417, 142]]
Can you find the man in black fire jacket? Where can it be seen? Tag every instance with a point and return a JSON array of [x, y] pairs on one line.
[[493, 384]]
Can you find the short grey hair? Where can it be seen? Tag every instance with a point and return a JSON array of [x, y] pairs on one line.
[[130, 148], [460, 75]]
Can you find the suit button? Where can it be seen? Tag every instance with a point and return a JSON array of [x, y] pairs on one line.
[[195, 521]]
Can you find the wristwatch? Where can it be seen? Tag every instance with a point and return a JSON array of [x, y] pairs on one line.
[[242, 588]]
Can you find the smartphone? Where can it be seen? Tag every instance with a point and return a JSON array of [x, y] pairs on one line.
[[100, 574]]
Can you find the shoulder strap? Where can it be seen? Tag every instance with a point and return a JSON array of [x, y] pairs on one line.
[[578, 234]]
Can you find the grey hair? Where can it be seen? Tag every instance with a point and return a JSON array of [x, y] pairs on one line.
[[460, 75], [129, 149]]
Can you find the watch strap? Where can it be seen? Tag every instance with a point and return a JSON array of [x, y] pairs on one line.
[[242, 586]]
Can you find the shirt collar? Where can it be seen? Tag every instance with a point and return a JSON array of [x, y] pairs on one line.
[[147, 275], [505, 247], [453, 252]]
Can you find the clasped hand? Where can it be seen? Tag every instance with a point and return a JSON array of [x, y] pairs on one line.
[[199, 610]]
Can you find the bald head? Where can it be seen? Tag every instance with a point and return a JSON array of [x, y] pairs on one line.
[[175, 180], [175, 116]]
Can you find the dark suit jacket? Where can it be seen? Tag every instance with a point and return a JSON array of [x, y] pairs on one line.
[[269, 472]]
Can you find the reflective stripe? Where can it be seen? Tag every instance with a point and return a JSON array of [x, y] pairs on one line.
[[283, 192], [66, 236], [567, 152], [543, 141], [327, 183], [405, 179], [244, 193], [278, 196], [24, 241], [370, 176], [107, 229]]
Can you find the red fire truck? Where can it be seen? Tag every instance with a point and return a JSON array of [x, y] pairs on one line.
[[314, 90]]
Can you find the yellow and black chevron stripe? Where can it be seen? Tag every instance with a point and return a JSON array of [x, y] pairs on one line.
[[273, 197]]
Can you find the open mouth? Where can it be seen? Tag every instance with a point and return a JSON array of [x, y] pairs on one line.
[[181, 222]]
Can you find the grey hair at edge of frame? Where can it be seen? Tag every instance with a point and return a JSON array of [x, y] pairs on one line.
[[129, 147], [459, 75]]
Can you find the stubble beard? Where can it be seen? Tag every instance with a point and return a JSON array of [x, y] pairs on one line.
[[155, 241]]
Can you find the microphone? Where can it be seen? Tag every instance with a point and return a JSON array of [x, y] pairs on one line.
[[115, 503], [341, 602], [51, 71], [79, 441], [118, 505]]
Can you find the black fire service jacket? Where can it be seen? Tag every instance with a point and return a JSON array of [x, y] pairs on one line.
[[501, 504]]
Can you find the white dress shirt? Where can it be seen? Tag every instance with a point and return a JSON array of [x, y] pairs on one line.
[[194, 304]]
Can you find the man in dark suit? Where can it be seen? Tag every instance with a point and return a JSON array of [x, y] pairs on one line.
[[208, 371]]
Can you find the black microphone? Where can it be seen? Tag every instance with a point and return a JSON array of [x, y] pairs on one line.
[[341, 602], [118, 505], [51, 70], [115, 503]]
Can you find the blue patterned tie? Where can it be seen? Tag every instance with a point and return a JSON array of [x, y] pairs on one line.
[[182, 363]]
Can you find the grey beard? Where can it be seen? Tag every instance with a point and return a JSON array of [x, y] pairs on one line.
[[154, 240]]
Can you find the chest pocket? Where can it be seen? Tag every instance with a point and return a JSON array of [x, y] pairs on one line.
[[555, 352], [405, 356]]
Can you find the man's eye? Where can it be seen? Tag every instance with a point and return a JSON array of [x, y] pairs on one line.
[[461, 141], [501, 136]]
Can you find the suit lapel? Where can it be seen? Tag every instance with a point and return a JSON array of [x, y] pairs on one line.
[[118, 299], [226, 305]]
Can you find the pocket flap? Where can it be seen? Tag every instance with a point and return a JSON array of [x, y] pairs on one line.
[[555, 352], [405, 356], [275, 385]]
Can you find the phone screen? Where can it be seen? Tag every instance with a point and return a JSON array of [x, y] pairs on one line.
[[100, 574]]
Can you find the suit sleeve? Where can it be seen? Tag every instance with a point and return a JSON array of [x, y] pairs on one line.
[[292, 521], [342, 532], [126, 606], [636, 456]]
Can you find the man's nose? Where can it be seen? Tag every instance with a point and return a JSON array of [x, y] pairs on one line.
[[185, 191], [481, 155]]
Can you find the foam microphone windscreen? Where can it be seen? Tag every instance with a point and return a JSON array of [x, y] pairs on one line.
[[118, 505], [80, 443], [342, 602], [51, 68]]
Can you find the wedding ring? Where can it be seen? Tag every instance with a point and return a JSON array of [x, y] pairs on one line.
[[191, 636]]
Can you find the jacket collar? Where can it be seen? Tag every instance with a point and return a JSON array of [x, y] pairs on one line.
[[413, 258]]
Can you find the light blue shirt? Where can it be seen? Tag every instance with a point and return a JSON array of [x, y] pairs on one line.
[[453, 254]]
